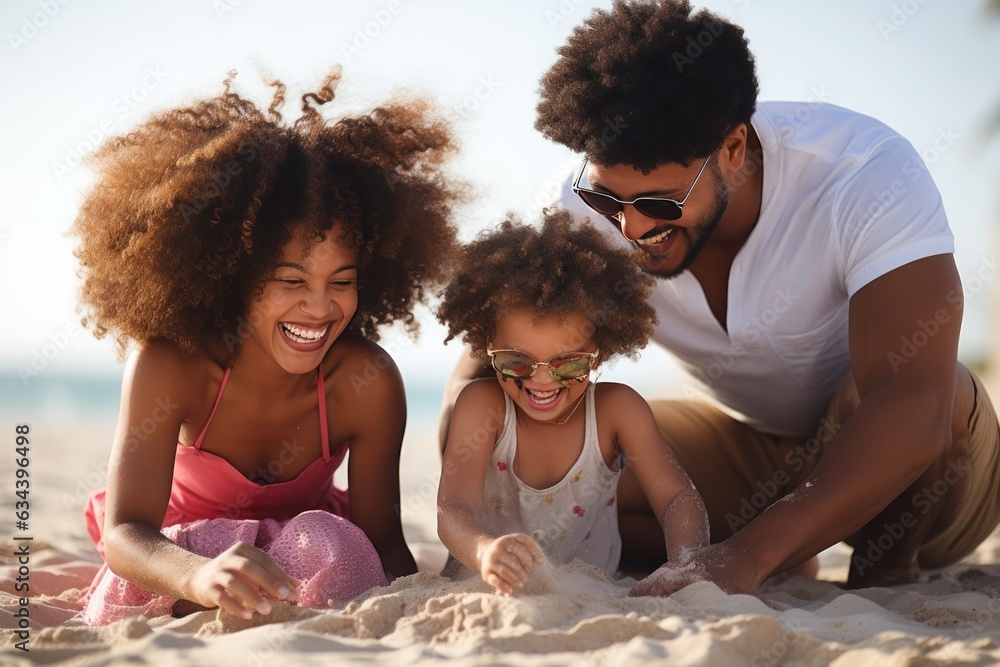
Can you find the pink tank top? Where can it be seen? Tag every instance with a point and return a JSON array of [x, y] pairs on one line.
[[206, 486]]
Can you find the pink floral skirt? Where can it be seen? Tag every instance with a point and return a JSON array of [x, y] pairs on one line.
[[330, 556]]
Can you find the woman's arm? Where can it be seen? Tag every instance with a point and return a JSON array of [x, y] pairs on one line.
[[503, 562], [156, 389], [671, 495], [370, 395]]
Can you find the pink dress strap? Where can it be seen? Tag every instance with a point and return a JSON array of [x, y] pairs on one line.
[[218, 399], [324, 432]]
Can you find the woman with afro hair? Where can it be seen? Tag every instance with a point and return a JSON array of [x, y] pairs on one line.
[[250, 262], [534, 454]]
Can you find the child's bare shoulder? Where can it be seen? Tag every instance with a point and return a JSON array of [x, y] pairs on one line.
[[480, 396], [616, 393], [621, 400], [480, 411]]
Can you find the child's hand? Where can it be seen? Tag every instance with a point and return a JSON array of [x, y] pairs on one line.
[[507, 561], [237, 580]]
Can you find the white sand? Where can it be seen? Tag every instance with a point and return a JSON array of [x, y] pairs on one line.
[[574, 614]]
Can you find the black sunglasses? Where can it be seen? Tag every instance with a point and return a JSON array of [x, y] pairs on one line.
[[660, 208]]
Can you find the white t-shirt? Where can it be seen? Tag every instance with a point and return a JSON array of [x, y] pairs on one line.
[[845, 201]]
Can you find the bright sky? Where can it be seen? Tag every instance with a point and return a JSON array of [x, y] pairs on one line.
[[72, 72]]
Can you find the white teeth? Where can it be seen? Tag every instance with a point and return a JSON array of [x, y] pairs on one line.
[[543, 397], [300, 335], [659, 238]]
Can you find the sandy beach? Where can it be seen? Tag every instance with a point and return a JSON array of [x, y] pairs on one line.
[[571, 615]]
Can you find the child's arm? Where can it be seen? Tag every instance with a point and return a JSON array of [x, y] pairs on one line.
[[375, 406], [673, 498], [477, 421], [157, 389]]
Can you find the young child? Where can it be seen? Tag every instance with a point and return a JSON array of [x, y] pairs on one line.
[[532, 459], [251, 262]]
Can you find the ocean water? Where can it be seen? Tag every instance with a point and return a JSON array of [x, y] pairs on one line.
[[65, 399]]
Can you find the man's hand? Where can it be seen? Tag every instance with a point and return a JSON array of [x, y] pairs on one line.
[[715, 563]]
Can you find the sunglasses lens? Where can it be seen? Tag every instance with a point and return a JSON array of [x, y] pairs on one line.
[[512, 364], [569, 367], [661, 209], [600, 203]]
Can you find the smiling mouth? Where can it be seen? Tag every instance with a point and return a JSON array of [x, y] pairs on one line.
[[659, 238], [303, 335], [542, 399]]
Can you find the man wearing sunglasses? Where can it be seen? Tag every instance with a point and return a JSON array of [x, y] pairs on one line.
[[805, 280]]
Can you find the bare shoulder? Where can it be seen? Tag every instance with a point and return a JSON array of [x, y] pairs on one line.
[[355, 364], [482, 394], [158, 370], [620, 408], [614, 396], [480, 412]]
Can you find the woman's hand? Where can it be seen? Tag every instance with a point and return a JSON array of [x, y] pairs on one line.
[[238, 580], [507, 561]]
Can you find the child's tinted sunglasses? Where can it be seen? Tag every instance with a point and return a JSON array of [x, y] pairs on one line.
[[519, 365]]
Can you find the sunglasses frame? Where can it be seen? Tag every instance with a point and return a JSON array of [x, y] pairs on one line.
[[491, 353], [616, 217]]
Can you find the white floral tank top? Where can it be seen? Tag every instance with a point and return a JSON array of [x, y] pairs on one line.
[[575, 518]]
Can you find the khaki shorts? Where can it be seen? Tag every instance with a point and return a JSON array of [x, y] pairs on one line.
[[740, 471]]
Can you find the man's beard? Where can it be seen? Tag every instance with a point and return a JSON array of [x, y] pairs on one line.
[[701, 234]]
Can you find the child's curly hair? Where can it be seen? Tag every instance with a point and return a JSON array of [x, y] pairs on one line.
[[648, 82], [559, 269], [193, 207]]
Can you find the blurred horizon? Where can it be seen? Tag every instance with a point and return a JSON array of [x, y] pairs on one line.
[[77, 73]]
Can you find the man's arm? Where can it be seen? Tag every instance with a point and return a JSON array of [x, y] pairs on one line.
[[901, 426]]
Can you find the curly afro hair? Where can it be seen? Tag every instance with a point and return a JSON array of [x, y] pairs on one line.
[[648, 83], [559, 269], [192, 209]]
